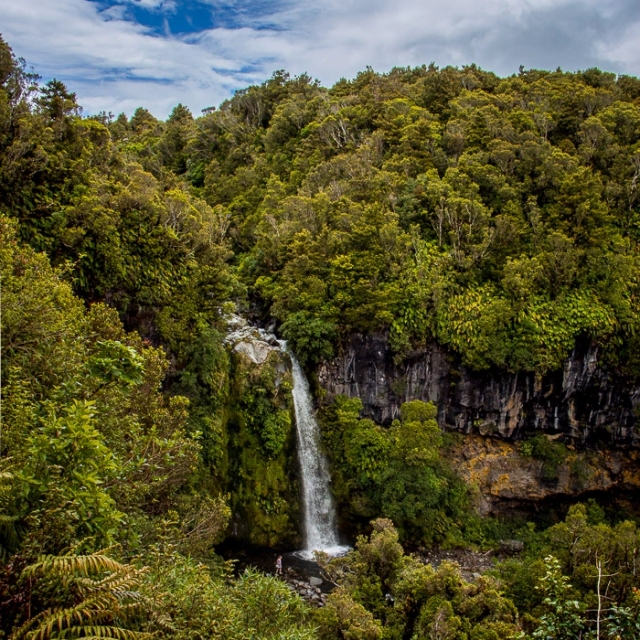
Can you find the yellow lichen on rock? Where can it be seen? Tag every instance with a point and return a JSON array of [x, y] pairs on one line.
[[501, 473]]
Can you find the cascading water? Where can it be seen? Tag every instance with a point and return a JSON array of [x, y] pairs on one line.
[[320, 532], [319, 524]]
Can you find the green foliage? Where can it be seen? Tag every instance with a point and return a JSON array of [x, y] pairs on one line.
[[496, 215], [552, 453], [580, 546], [66, 465], [101, 455], [205, 380], [385, 593], [82, 416], [418, 491], [8, 535], [396, 472], [623, 622], [41, 322], [94, 595], [116, 362], [266, 404], [174, 597], [263, 472], [202, 603], [275, 431], [358, 453], [342, 617], [564, 616], [577, 572], [309, 336]]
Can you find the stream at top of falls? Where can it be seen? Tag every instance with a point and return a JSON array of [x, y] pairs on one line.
[[320, 532]]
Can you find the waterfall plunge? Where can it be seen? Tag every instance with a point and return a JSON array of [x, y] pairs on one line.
[[319, 520], [320, 532]]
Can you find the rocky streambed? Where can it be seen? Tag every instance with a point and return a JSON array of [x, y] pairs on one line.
[[305, 577]]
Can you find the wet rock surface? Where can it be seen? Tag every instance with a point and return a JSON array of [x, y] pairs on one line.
[[312, 594], [585, 402], [253, 342]]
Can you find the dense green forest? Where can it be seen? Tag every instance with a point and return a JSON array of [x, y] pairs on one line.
[[499, 217]]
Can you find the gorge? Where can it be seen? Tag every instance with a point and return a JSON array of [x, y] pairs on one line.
[[453, 258]]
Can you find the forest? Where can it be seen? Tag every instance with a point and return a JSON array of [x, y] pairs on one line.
[[498, 217]]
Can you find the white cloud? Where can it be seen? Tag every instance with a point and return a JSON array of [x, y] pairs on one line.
[[155, 5], [340, 37], [115, 64], [624, 49]]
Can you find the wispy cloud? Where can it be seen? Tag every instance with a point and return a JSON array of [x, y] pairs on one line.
[[116, 64], [116, 61], [155, 5]]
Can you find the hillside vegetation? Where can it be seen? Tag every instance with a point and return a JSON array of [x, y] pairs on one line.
[[497, 216]]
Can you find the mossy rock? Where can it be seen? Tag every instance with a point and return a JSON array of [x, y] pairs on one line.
[[263, 469]]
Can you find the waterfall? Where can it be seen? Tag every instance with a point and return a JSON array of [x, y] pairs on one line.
[[320, 531], [319, 517]]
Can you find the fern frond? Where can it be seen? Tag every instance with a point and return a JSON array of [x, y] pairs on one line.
[[101, 631], [61, 620], [110, 581], [50, 632], [107, 600], [163, 621], [115, 583], [22, 631], [70, 565]]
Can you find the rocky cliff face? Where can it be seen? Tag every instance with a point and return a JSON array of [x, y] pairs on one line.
[[586, 402], [259, 434], [507, 481]]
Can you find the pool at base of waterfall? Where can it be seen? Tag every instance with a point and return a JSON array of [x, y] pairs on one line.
[[336, 551]]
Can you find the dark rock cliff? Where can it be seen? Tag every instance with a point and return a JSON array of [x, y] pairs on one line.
[[586, 402]]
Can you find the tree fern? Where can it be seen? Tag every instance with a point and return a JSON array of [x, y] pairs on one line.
[[74, 566], [106, 597]]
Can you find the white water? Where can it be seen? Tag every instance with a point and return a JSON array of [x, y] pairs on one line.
[[319, 519], [319, 522]]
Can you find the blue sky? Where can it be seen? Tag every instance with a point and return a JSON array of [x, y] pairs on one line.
[[121, 54]]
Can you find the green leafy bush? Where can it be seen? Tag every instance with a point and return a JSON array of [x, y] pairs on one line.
[[396, 472], [550, 452]]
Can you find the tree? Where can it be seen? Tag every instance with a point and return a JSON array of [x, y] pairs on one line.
[[56, 102], [417, 491]]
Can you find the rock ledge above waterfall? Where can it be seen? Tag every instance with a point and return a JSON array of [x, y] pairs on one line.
[[255, 343]]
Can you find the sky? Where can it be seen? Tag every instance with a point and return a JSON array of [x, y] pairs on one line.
[[117, 55]]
